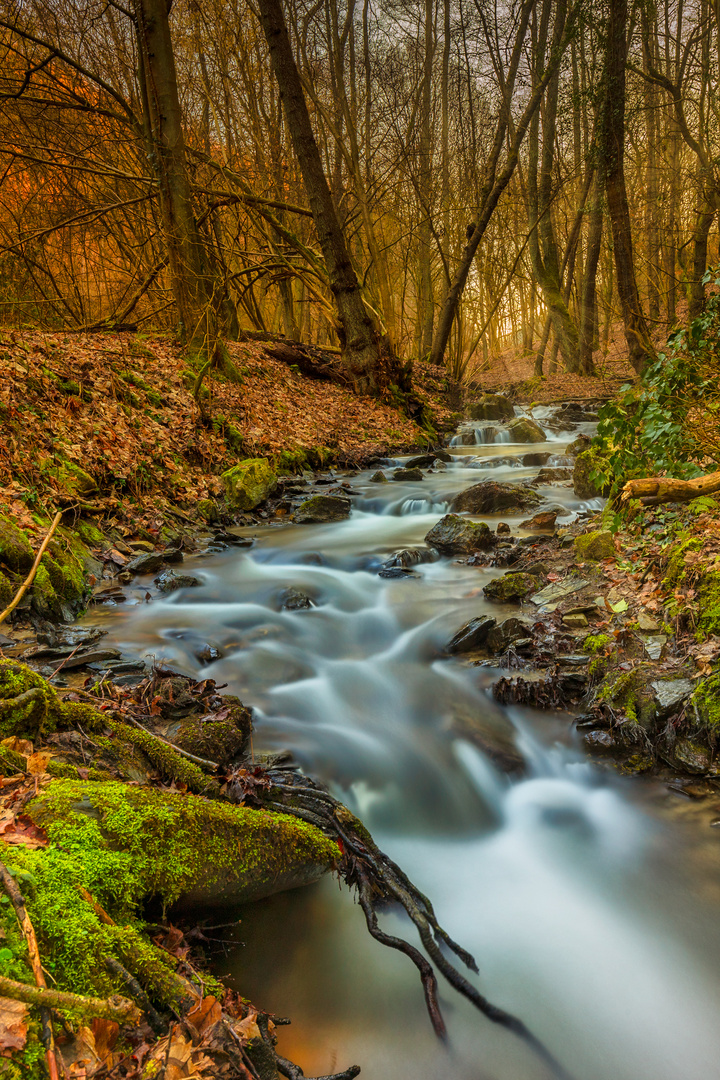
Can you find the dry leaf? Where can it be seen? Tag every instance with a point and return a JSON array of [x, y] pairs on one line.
[[13, 1026], [247, 1029], [37, 763], [19, 746]]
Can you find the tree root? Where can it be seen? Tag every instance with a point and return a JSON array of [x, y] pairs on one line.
[[115, 1008], [378, 881]]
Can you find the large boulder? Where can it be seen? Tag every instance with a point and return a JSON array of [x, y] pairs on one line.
[[454, 535], [586, 463], [248, 484], [489, 497], [511, 588], [491, 407], [525, 430], [319, 509]]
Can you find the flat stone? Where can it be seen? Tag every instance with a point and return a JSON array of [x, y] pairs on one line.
[[647, 623], [557, 590], [655, 645], [94, 656], [141, 545], [671, 693], [575, 621], [542, 522]]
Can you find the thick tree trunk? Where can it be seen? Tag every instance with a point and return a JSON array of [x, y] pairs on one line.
[[191, 286], [360, 343], [612, 162]]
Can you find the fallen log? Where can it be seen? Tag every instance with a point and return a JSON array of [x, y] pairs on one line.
[[654, 490], [313, 362]]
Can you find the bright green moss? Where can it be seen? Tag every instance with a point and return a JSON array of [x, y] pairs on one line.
[[708, 598], [595, 643], [706, 704], [676, 564]]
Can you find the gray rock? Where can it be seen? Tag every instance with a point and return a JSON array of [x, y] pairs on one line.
[[148, 563], [472, 635], [396, 572], [408, 557], [295, 600], [168, 581], [172, 555], [378, 478], [500, 638], [601, 742], [557, 590], [552, 476], [535, 459], [490, 497], [442, 455], [454, 535], [670, 695], [691, 756]]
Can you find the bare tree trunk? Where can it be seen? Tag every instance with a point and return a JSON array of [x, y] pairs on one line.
[[358, 336], [191, 286], [612, 159], [588, 304]]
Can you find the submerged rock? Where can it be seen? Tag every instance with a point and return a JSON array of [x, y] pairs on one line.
[[293, 599], [511, 587], [490, 497], [408, 557], [491, 407], [322, 508], [454, 535]]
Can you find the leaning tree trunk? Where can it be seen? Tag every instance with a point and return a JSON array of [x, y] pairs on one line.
[[360, 343], [612, 162], [191, 286]]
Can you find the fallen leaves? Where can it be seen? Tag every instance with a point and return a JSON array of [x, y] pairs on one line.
[[13, 1026]]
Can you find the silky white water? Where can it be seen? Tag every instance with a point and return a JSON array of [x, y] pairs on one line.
[[585, 913]]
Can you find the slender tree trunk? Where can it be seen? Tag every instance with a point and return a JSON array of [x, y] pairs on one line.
[[588, 302], [425, 305], [612, 159], [358, 336]]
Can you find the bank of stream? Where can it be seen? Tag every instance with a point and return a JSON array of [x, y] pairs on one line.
[[588, 904]]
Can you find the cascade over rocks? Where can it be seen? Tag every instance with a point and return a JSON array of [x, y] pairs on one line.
[[490, 497]]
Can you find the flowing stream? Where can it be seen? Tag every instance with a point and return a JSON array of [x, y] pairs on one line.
[[591, 911]]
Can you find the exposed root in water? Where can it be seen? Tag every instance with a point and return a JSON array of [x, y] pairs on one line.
[[380, 882]]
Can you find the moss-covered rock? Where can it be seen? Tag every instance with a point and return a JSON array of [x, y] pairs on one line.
[[248, 484], [631, 694], [525, 430], [455, 535], [708, 599], [587, 463], [6, 591], [222, 739], [208, 511], [322, 508], [595, 545], [126, 845], [76, 481], [511, 588], [491, 407], [29, 705], [15, 550]]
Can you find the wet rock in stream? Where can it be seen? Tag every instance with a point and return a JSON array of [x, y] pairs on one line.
[[454, 535], [490, 497], [319, 509], [168, 581], [512, 587], [292, 599], [471, 636]]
